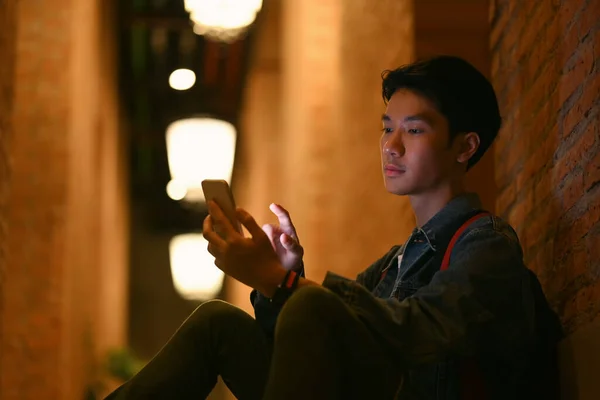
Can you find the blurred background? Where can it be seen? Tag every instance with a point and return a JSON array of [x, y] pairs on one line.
[[112, 112]]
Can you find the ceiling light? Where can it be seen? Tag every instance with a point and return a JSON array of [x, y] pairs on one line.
[[195, 276], [182, 79], [223, 20], [198, 149]]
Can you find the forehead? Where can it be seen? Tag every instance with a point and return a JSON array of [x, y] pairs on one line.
[[406, 102]]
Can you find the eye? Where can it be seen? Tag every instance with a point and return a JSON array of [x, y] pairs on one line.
[[387, 130], [414, 131]]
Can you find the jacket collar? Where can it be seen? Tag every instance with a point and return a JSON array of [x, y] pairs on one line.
[[443, 224]]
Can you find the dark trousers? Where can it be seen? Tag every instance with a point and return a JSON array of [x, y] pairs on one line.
[[321, 351]]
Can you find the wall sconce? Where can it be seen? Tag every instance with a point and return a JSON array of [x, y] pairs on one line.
[[198, 149], [195, 275]]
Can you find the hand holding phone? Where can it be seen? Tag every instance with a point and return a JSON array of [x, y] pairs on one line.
[[219, 191]]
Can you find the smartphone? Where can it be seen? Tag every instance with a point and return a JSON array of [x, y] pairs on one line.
[[219, 191]]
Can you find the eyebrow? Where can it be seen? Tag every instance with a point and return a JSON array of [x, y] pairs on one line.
[[410, 118]]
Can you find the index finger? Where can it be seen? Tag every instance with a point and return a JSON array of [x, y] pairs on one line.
[[284, 217], [218, 217], [209, 233]]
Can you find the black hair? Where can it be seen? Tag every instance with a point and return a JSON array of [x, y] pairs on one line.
[[458, 90]]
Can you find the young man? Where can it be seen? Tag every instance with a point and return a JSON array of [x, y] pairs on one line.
[[407, 328]]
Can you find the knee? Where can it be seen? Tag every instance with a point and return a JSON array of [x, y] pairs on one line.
[[312, 302], [213, 312]]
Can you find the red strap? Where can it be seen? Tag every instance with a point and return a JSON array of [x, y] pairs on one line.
[[290, 279], [472, 385], [446, 260]]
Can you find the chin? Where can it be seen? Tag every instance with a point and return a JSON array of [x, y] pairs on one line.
[[398, 190]]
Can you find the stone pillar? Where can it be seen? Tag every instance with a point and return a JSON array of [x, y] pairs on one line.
[[375, 36], [311, 51], [259, 163], [66, 206], [320, 156], [8, 19]]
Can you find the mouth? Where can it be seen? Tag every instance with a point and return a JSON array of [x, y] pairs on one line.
[[393, 170]]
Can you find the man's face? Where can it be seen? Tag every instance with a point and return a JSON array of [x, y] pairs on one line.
[[415, 152]]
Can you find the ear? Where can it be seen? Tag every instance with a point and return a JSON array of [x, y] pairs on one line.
[[468, 144]]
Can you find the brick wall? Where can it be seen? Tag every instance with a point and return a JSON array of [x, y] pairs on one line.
[[7, 49], [32, 314], [545, 70], [61, 306]]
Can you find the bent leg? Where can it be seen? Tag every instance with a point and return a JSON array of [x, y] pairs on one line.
[[216, 339], [323, 351]]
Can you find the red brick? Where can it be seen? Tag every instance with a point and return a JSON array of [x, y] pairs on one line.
[[569, 312], [575, 76], [541, 157], [555, 285], [545, 13], [543, 258], [567, 236], [590, 17], [545, 120], [573, 190], [542, 224], [596, 42], [512, 92], [593, 244], [538, 93], [568, 11], [552, 37], [591, 89], [577, 263], [579, 152], [543, 188], [505, 199], [569, 43], [592, 214], [498, 29], [511, 36], [520, 210], [572, 118], [495, 68], [591, 174], [595, 295], [530, 31]]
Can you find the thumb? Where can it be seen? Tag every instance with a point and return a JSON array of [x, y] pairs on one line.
[[250, 223]]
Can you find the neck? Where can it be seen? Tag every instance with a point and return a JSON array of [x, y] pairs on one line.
[[426, 205]]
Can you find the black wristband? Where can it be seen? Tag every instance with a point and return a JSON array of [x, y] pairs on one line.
[[285, 288]]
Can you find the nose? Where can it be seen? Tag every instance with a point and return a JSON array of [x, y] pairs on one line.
[[393, 146]]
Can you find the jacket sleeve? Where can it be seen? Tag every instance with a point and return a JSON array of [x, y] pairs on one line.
[[265, 311], [481, 302]]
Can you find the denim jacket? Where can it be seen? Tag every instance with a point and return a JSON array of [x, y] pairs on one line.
[[486, 306]]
